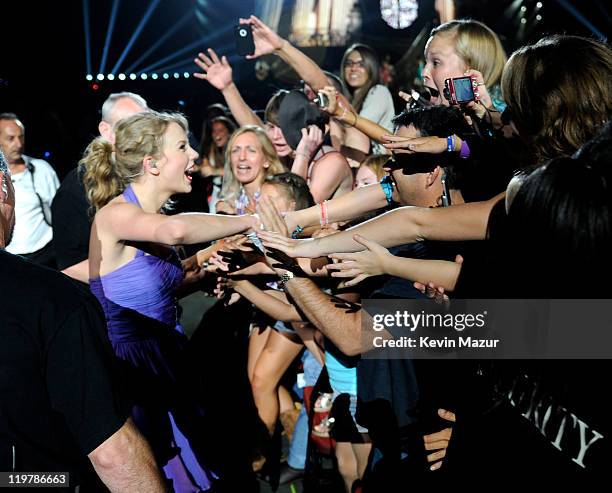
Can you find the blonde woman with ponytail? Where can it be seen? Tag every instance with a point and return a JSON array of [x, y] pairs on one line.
[[134, 273]]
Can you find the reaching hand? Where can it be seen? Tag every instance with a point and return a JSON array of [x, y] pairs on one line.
[[311, 140], [266, 40], [270, 217], [439, 441], [405, 145], [217, 72], [292, 248], [360, 265]]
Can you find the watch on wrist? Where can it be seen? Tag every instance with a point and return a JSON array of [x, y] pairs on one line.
[[285, 277]]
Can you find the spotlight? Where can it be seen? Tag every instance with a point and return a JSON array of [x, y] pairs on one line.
[[523, 9], [89, 77], [538, 17], [132, 76], [100, 77], [95, 87], [176, 75], [181, 102], [110, 77], [47, 154], [523, 21], [539, 5], [143, 76], [154, 76], [166, 76], [186, 75], [121, 76]]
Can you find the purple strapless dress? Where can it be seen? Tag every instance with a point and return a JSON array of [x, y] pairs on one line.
[[143, 327]]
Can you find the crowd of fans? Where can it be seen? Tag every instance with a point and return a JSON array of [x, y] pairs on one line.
[[291, 221]]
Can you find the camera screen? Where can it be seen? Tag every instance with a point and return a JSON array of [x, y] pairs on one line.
[[463, 89]]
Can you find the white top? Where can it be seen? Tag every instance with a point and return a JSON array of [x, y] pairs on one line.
[[31, 231], [378, 107]]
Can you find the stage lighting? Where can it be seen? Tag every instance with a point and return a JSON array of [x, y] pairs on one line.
[[539, 5], [143, 76], [154, 76], [523, 20], [100, 77], [186, 75], [132, 76], [176, 75], [538, 17], [121, 76], [110, 77], [523, 9], [166, 76], [89, 77]]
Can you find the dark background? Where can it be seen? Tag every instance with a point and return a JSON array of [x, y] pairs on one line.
[[43, 67]]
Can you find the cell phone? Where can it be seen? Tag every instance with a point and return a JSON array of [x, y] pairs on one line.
[[460, 90], [244, 39]]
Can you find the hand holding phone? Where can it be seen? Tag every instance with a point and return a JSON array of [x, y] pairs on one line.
[[243, 35]]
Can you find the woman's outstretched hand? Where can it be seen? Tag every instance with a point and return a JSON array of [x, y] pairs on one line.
[[360, 265], [266, 40], [218, 72]]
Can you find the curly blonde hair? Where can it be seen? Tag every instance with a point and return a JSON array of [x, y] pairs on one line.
[[109, 170]]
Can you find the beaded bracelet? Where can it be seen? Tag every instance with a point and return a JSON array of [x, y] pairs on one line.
[[298, 229], [387, 185]]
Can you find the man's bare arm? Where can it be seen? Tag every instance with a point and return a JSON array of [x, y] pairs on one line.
[[125, 462], [342, 326]]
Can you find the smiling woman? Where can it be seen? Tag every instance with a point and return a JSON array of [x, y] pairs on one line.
[[136, 275]]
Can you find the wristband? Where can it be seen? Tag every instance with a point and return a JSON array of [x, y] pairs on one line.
[[324, 219], [298, 229], [450, 143], [465, 152], [387, 185]]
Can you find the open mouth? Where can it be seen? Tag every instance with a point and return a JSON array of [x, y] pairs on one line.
[[189, 173], [243, 168], [434, 95]]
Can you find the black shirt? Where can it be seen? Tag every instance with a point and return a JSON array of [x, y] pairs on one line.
[[58, 393], [71, 221]]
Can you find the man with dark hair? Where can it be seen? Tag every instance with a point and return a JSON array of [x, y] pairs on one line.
[[35, 183], [58, 391]]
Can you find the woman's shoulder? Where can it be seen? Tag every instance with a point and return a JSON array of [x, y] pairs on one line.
[[380, 91]]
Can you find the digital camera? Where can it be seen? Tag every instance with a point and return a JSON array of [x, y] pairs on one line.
[[461, 90]]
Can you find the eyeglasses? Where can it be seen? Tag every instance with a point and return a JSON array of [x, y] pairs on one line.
[[356, 64]]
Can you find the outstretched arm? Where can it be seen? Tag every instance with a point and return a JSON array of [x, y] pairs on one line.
[[376, 260], [218, 72], [267, 42], [130, 223], [349, 206], [400, 226], [271, 304]]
